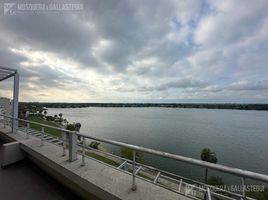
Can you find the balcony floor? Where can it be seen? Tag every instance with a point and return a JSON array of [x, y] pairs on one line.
[[25, 181], [93, 179]]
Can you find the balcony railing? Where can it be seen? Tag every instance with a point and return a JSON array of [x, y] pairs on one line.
[[188, 187]]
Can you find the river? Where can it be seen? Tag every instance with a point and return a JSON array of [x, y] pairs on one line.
[[239, 137]]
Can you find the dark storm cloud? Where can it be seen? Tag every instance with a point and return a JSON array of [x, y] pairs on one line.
[[183, 83], [149, 47], [177, 84], [64, 35], [132, 27]]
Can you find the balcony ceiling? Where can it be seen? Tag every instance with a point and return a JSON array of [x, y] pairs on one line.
[[6, 73]]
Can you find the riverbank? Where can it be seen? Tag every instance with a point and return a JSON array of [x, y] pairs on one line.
[[100, 153], [40, 119], [106, 159], [56, 133], [232, 106]]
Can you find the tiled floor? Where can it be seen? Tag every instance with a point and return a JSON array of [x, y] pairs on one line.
[[25, 181]]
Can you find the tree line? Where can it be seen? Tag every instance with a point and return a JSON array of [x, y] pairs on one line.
[[235, 106]]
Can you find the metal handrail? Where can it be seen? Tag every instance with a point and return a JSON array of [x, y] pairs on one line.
[[164, 173], [44, 125], [218, 167]]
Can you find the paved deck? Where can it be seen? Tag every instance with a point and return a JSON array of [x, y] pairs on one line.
[[95, 177], [25, 181]]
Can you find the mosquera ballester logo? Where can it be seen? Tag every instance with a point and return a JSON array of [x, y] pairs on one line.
[[16, 8], [10, 8]]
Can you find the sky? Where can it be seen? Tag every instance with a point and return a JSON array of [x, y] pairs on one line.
[[139, 51]]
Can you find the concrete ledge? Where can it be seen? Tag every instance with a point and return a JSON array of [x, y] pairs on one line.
[[11, 153], [66, 177], [95, 180]]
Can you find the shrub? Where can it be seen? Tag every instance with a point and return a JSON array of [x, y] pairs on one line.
[[128, 154], [94, 144]]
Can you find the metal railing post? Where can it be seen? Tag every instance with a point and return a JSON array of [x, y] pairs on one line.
[[15, 106], [72, 146], [14, 125], [208, 194], [83, 152], [42, 135], [27, 131], [244, 188], [134, 187], [180, 185], [64, 138]]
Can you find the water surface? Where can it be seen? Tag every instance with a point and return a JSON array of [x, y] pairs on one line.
[[240, 138]]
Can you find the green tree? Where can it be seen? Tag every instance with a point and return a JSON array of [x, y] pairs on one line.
[[208, 156], [65, 121], [94, 145], [77, 126], [74, 127], [70, 127], [49, 118], [60, 118], [128, 154]]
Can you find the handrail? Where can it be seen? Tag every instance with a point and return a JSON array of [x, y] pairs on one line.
[[166, 174], [73, 156], [217, 167], [44, 125]]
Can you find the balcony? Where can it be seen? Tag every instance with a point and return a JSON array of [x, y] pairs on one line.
[[25, 181], [65, 158], [95, 180]]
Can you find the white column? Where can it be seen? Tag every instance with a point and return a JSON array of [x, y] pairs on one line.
[[72, 147], [15, 102]]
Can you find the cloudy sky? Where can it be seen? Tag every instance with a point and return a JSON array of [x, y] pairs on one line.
[[139, 51]]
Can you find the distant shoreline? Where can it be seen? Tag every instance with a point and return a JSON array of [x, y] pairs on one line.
[[231, 106]]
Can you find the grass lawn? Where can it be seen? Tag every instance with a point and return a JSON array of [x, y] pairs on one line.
[[146, 177], [111, 162], [50, 131], [57, 133], [259, 195], [102, 158]]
